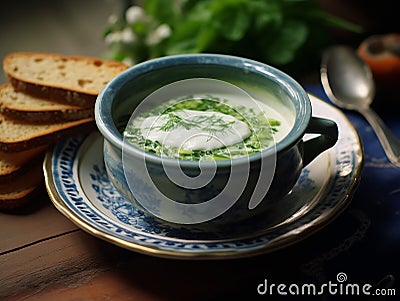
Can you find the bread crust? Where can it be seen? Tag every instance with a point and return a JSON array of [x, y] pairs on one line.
[[58, 94], [48, 116], [17, 172], [23, 189], [16, 163], [21, 106], [15, 201], [62, 92], [82, 126]]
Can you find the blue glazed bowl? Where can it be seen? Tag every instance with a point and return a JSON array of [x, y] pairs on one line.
[[264, 178]]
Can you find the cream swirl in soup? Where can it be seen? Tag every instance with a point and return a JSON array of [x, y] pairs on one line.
[[195, 130], [207, 128]]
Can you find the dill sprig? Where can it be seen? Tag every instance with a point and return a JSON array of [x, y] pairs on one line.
[[211, 123]]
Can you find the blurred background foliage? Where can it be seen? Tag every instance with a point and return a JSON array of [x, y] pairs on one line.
[[287, 34]]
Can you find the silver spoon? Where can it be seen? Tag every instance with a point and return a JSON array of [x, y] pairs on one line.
[[348, 82]]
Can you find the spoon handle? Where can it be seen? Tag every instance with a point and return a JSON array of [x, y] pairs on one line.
[[389, 142]]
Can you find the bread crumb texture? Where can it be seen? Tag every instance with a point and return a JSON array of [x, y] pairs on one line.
[[80, 73]]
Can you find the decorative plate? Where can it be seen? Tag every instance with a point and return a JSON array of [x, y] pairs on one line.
[[79, 188]]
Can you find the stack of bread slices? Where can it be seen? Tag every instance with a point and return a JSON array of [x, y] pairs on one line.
[[49, 97]]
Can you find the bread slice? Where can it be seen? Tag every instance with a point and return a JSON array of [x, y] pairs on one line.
[[20, 191], [73, 79], [26, 107], [16, 135], [18, 198], [14, 164]]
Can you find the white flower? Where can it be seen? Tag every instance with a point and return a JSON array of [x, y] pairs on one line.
[[160, 33], [128, 61], [163, 31], [113, 37], [127, 36], [134, 14]]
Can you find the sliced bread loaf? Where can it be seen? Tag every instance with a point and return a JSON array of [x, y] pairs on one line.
[[74, 79], [16, 135], [26, 107]]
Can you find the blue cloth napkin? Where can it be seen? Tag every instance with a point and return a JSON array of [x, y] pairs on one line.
[[364, 241]]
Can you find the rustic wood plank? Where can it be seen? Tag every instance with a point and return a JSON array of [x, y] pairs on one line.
[[139, 277], [105, 285], [33, 223], [78, 266], [63, 260]]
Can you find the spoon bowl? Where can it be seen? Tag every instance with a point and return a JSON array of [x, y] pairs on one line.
[[349, 84]]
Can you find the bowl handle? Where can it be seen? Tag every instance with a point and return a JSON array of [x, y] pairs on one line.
[[328, 137]]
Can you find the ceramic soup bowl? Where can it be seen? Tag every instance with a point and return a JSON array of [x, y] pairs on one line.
[[198, 192]]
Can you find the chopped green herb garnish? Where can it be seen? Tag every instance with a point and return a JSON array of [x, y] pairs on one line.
[[262, 128]]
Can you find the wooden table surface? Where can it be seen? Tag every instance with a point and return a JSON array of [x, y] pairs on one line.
[[44, 256]]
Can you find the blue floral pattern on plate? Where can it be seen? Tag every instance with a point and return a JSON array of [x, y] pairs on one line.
[[79, 187]]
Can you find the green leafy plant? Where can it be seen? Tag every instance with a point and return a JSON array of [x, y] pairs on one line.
[[282, 33]]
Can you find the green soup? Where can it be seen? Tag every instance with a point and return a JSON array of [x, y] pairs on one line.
[[206, 128]]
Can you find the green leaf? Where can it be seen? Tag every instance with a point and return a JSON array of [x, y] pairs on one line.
[[191, 34], [162, 10], [206, 39], [231, 18], [182, 46], [340, 23], [265, 14], [281, 49]]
